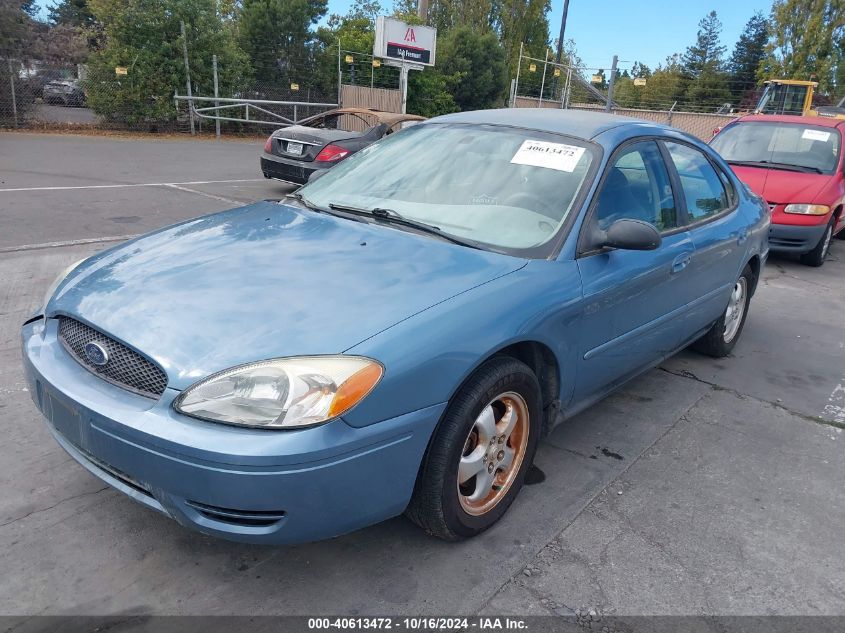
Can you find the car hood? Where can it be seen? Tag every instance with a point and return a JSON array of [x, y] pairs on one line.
[[778, 186], [263, 281]]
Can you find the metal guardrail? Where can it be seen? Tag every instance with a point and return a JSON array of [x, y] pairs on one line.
[[253, 106]]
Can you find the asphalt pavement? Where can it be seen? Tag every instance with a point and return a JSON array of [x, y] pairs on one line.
[[705, 487]]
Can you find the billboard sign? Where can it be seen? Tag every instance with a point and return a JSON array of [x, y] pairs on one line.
[[398, 41]]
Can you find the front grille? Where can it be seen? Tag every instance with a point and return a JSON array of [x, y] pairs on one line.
[[125, 367]]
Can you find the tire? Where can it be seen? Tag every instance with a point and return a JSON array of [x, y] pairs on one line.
[[817, 256], [501, 387], [721, 338]]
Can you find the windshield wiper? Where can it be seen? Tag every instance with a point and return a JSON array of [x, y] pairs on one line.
[[305, 202], [394, 217], [775, 165]]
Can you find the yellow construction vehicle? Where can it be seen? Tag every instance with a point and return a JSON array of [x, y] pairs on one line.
[[792, 96]]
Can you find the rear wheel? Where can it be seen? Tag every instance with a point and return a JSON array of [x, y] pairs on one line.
[[720, 339], [478, 457], [817, 256]]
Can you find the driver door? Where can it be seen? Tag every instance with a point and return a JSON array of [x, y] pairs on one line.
[[632, 298]]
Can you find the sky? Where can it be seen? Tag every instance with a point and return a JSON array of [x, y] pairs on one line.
[[646, 31]]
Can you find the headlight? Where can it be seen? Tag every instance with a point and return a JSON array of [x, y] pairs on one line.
[[49, 294], [282, 393], [807, 209]]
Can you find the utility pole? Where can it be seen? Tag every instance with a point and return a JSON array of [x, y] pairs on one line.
[[422, 10], [187, 76], [562, 31], [610, 84], [216, 94]]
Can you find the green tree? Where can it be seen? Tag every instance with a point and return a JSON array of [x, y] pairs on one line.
[[475, 68], [277, 37], [523, 22], [749, 51], [666, 85], [703, 64], [73, 13], [76, 14], [144, 36], [806, 41], [706, 54], [428, 94]]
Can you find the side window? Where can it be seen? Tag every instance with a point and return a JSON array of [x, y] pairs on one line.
[[637, 187], [704, 190]]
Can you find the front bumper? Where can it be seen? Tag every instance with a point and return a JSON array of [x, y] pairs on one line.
[[791, 238], [294, 171], [247, 485]]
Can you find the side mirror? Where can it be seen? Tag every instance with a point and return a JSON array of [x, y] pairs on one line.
[[631, 235]]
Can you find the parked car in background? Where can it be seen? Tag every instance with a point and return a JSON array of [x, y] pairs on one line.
[[398, 334], [320, 142], [67, 92], [795, 163]]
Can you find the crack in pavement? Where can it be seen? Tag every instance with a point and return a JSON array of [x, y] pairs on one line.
[[635, 459], [58, 503], [685, 373]]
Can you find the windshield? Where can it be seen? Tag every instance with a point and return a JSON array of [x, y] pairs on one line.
[[806, 147], [508, 188]]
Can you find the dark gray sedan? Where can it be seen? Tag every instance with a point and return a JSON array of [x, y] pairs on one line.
[[294, 153]]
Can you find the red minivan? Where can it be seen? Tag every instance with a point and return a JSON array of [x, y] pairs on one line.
[[795, 163]]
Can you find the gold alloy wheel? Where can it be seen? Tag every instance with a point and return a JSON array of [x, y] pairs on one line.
[[493, 453]]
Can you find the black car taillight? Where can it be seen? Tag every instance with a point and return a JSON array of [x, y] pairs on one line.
[[332, 154]]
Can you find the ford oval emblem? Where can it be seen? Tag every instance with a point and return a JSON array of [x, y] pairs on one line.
[[96, 354]]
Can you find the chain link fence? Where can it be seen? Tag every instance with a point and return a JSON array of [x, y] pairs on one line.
[[668, 96]]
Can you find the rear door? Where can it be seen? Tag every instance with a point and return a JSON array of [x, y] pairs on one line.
[[718, 231], [632, 297]]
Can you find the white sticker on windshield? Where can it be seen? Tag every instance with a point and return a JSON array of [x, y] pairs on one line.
[[550, 155], [816, 135]]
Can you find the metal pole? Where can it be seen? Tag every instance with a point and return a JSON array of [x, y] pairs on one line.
[[216, 94], [543, 82], [608, 106], [518, 67], [372, 72], [562, 31], [511, 100], [568, 88], [403, 86], [339, 76], [12, 86], [187, 76]]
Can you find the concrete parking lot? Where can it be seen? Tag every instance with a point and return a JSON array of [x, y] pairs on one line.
[[705, 487]]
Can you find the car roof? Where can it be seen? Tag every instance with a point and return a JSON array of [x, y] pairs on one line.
[[579, 123], [820, 121]]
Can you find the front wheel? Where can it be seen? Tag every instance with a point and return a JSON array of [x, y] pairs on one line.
[[477, 460], [720, 339], [817, 256]]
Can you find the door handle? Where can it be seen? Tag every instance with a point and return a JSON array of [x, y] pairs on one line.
[[681, 262]]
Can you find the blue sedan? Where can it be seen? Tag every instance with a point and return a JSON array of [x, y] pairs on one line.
[[399, 334]]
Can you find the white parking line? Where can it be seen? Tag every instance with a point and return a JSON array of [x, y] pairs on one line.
[[207, 195], [143, 184], [92, 240]]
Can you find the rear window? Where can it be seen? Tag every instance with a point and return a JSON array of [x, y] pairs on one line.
[[802, 147]]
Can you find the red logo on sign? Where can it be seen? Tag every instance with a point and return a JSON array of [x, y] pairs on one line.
[[409, 35]]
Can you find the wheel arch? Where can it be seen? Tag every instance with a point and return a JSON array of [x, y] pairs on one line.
[[756, 267]]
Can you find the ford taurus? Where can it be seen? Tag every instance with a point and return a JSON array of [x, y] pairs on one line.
[[399, 334]]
